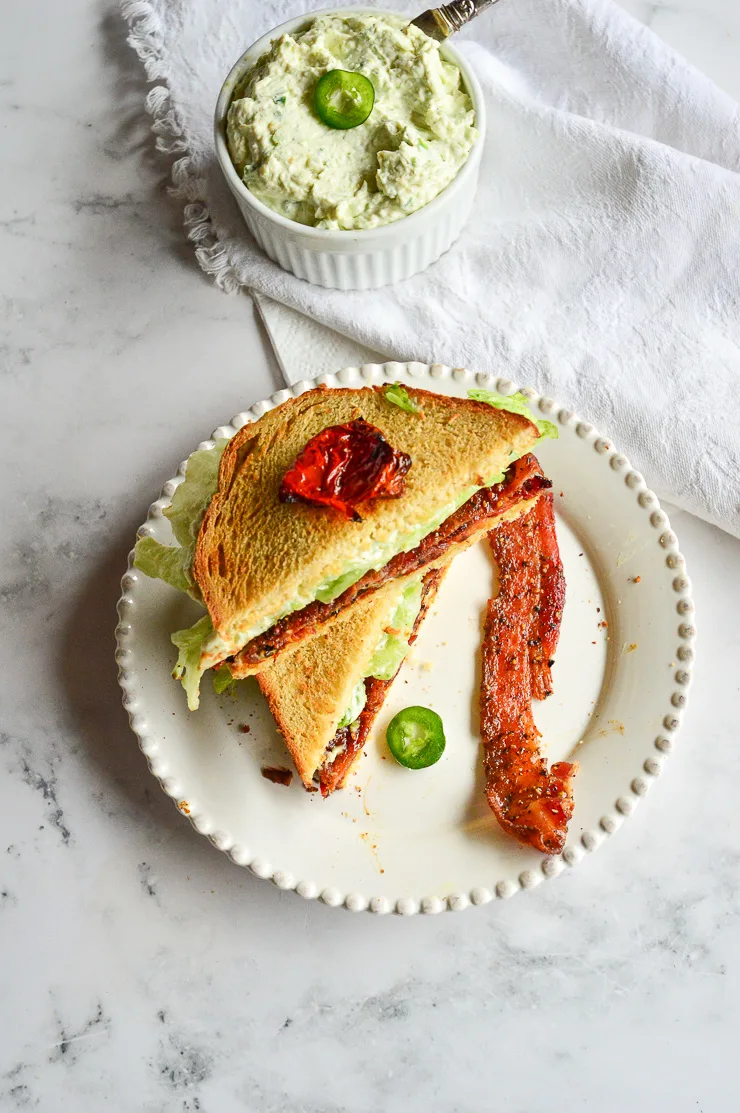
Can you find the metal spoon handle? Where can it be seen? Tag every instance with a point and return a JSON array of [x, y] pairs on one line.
[[440, 23]]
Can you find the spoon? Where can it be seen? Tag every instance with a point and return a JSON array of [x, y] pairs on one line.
[[440, 23]]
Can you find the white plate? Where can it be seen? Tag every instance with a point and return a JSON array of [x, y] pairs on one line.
[[404, 841]]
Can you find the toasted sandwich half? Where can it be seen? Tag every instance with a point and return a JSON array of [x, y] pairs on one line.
[[326, 695], [274, 573]]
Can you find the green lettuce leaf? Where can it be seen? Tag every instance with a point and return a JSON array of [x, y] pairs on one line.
[[190, 500], [188, 670], [357, 702], [223, 681], [161, 562], [333, 588], [399, 396], [390, 651], [516, 404], [409, 605], [388, 656], [171, 563], [392, 648]]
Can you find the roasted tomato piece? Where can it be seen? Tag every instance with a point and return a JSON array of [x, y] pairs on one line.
[[344, 466]]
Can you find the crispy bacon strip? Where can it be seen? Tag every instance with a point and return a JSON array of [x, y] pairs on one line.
[[545, 631], [530, 802], [334, 772], [523, 480]]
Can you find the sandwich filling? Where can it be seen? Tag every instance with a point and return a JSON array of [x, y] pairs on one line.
[[390, 650], [351, 737]]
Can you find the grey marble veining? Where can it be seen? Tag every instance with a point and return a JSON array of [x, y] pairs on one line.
[[141, 971]]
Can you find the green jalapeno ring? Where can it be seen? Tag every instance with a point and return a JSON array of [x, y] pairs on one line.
[[343, 99], [416, 737]]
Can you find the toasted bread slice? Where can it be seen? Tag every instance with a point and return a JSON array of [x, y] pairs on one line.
[[309, 690], [258, 559]]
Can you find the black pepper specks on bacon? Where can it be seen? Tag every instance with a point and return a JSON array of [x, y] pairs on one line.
[[531, 802]]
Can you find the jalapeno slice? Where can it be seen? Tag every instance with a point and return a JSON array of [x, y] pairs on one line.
[[343, 99], [416, 737]]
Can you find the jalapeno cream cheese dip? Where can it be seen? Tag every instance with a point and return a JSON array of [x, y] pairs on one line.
[[417, 136]]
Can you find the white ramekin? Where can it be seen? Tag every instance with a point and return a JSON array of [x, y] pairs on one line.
[[370, 258]]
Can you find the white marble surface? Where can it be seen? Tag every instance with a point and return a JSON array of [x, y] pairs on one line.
[[140, 970]]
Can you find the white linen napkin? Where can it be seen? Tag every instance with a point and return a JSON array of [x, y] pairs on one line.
[[602, 261]]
